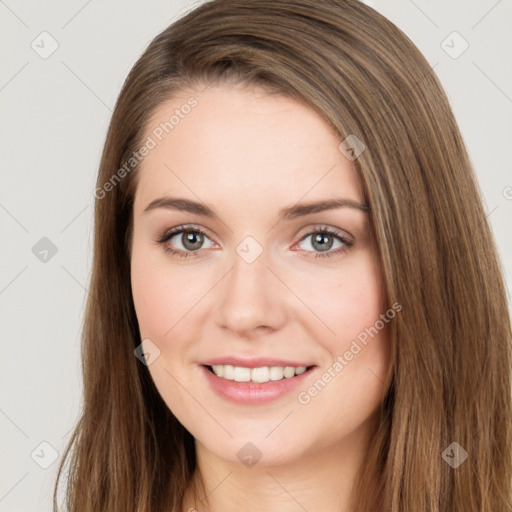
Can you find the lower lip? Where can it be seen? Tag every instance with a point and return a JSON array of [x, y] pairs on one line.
[[253, 393]]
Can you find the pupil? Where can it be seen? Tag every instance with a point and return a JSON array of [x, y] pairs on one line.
[[192, 240], [324, 241]]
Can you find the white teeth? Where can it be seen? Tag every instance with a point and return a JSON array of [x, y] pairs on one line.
[[289, 372], [218, 369], [260, 375], [276, 372], [229, 372], [242, 374]]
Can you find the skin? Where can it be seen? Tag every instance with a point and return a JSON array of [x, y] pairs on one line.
[[246, 155]]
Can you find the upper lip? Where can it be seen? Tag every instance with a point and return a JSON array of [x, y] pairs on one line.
[[254, 362]]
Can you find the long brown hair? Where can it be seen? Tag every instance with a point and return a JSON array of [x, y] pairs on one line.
[[450, 377]]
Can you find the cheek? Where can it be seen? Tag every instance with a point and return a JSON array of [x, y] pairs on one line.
[[162, 297], [162, 294], [351, 305], [350, 386], [348, 301], [150, 298]]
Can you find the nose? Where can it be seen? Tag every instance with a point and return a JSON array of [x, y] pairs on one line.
[[250, 298]]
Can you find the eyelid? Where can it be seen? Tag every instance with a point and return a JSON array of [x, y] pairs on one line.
[[169, 233], [321, 228]]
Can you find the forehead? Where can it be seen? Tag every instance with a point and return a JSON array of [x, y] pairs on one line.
[[243, 144]]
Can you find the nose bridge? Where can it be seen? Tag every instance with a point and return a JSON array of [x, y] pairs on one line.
[[249, 300]]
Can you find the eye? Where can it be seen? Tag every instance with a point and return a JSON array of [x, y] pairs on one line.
[[325, 242], [185, 241]]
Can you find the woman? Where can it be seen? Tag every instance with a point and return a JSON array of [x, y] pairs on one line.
[[295, 301]]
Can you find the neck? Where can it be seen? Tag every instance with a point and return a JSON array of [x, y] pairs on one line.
[[319, 480]]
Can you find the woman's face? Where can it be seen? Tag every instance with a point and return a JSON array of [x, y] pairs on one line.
[[283, 299]]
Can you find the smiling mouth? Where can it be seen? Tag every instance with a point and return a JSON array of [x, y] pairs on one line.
[[259, 375]]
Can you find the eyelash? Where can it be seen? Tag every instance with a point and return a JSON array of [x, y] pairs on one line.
[[163, 239]]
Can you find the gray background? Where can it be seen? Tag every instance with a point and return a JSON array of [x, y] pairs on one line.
[[55, 112]]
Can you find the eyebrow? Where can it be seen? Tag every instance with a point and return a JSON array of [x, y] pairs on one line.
[[291, 212]]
